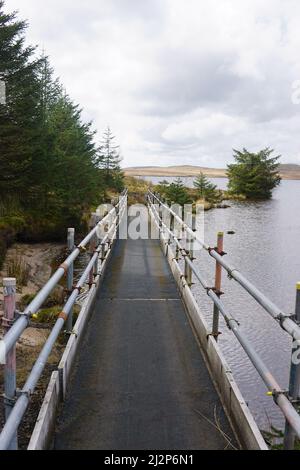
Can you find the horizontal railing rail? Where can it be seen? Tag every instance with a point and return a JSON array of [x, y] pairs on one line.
[[283, 318], [101, 252], [280, 396], [21, 324]]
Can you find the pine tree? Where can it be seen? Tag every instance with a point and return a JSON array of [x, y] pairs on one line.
[[205, 189], [75, 182], [50, 93], [254, 175], [177, 193], [18, 117], [109, 160]]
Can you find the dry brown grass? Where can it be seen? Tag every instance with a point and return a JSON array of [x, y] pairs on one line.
[[18, 268]]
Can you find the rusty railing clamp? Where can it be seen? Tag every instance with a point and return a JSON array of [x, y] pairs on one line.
[[208, 289], [27, 393], [214, 335], [276, 393], [284, 316], [19, 314], [70, 333], [229, 273], [9, 401], [221, 253], [229, 320], [79, 288]]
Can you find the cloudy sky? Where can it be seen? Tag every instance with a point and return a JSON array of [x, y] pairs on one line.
[[178, 81]]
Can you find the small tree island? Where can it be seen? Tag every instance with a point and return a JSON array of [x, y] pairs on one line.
[[254, 175]]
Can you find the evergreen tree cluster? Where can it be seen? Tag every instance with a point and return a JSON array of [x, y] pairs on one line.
[[176, 192], [254, 175], [51, 170]]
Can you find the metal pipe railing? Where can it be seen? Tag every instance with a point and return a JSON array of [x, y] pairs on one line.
[[284, 319], [22, 402], [278, 394], [14, 419], [21, 324]]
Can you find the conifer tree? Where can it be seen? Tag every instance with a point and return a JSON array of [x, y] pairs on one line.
[[49, 161], [205, 189], [109, 160], [177, 193], [47, 152]]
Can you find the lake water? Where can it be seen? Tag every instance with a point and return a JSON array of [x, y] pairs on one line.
[[266, 249]]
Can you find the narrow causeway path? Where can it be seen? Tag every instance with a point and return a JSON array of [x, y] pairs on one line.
[[140, 381]]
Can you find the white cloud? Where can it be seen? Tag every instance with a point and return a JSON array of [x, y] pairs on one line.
[[208, 126], [179, 82]]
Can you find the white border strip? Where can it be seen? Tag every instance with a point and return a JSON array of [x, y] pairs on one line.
[[234, 404], [44, 427]]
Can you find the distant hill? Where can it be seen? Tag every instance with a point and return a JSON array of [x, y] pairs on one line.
[[289, 171]]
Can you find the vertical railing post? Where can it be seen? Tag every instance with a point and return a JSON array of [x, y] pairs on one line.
[[188, 273], [92, 249], [98, 246], [102, 252], [70, 275], [218, 279], [160, 213], [10, 381], [117, 221], [187, 268], [172, 223], [177, 253], [294, 384]]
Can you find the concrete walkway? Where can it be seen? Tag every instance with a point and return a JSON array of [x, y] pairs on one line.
[[140, 381]]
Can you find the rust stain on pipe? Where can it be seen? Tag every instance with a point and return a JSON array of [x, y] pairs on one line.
[[65, 267], [63, 315]]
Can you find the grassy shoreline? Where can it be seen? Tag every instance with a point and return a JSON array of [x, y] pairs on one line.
[[287, 171], [137, 189]]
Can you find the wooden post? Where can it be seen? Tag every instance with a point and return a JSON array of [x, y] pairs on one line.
[[10, 381], [218, 278]]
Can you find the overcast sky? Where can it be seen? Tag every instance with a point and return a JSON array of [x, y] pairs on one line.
[[178, 81]]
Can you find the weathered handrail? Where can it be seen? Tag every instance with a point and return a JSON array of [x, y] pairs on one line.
[[9, 430], [21, 324], [280, 396], [283, 318]]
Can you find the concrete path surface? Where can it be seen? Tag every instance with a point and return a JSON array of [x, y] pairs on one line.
[[140, 381]]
